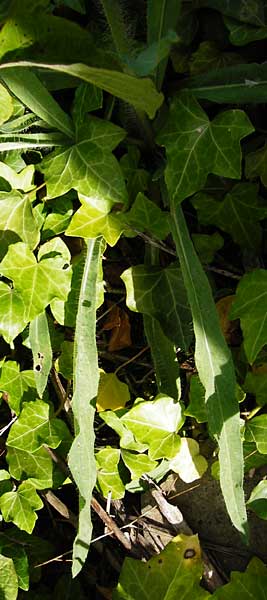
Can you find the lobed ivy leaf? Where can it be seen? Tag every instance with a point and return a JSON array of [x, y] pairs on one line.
[[34, 466], [19, 385], [174, 573], [160, 293], [252, 583], [18, 181], [188, 462], [256, 384], [6, 105], [208, 56], [8, 579], [256, 164], [207, 245], [138, 464], [238, 213], [256, 431], [108, 475], [35, 284], [145, 215], [156, 423], [35, 427], [258, 500], [95, 218], [196, 147], [127, 439], [250, 307], [87, 98], [20, 506], [10, 549], [88, 165], [57, 221], [112, 393], [241, 34]]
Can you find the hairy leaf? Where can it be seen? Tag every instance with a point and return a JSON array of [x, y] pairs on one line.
[[42, 351], [236, 84]]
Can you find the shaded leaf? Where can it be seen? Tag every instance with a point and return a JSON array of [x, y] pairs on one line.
[[196, 408], [238, 213], [188, 462], [241, 34], [112, 393], [18, 554], [196, 146], [230, 328], [163, 353], [64, 363], [250, 307], [150, 57], [160, 293], [256, 384], [256, 164], [6, 105], [208, 56], [20, 506], [207, 245], [58, 219], [87, 98], [161, 17], [252, 583], [156, 423], [258, 500], [147, 216]]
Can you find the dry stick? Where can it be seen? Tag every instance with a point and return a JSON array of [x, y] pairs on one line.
[[59, 389], [60, 507], [94, 503], [127, 362]]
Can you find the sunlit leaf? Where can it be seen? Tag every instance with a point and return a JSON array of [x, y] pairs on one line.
[[138, 464], [258, 500], [188, 462], [112, 393], [6, 105], [108, 476], [256, 431], [18, 385], [94, 218], [20, 506], [8, 579]]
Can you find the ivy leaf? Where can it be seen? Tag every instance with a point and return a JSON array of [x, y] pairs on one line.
[[8, 579], [196, 147], [19, 385], [256, 431], [35, 284], [88, 166], [64, 363], [36, 466], [112, 393], [156, 423], [137, 178], [176, 571], [58, 219], [94, 219], [188, 462], [258, 500], [208, 56], [241, 34], [87, 98], [148, 59], [17, 222], [252, 583], [20, 506], [160, 293], [18, 181], [250, 307], [256, 164], [147, 216], [127, 439], [238, 213], [138, 464], [18, 554], [256, 384], [6, 105], [196, 408], [108, 475], [36, 427], [207, 245]]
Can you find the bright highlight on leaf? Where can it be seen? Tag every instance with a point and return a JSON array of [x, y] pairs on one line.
[[112, 393], [188, 462]]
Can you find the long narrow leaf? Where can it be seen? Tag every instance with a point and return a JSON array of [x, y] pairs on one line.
[[31, 140], [30, 90], [164, 358], [42, 351], [85, 382], [141, 93], [216, 372], [162, 15]]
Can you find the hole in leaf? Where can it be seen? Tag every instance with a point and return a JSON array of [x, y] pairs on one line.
[[189, 553]]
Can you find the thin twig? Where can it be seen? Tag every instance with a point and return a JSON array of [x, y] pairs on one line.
[[60, 507], [132, 359], [59, 389]]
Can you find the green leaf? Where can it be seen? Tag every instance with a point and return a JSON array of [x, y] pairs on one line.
[[197, 407], [36, 466], [6, 105], [18, 181], [127, 439], [161, 17], [256, 165], [252, 583], [108, 476], [35, 427], [18, 554], [174, 573], [163, 353], [237, 84], [42, 351], [138, 464], [141, 93], [65, 312], [216, 373], [208, 57], [188, 462], [241, 34], [19, 385], [28, 88], [207, 246], [17, 222], [156, 423], [196, 147], [238, 213], [87, 98], [64, 363], [256, 384], [137, 178], [88, 166], [145, 215], [81, 456], [256, 431], [94, 218], [250, 307], [59, 218], [258, 500], [8, 579], [148, 59], [35, 284], [112, 393], [20, 506], [160, 293]]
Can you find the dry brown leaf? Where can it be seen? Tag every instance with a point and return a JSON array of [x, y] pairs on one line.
[[119, 323]]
